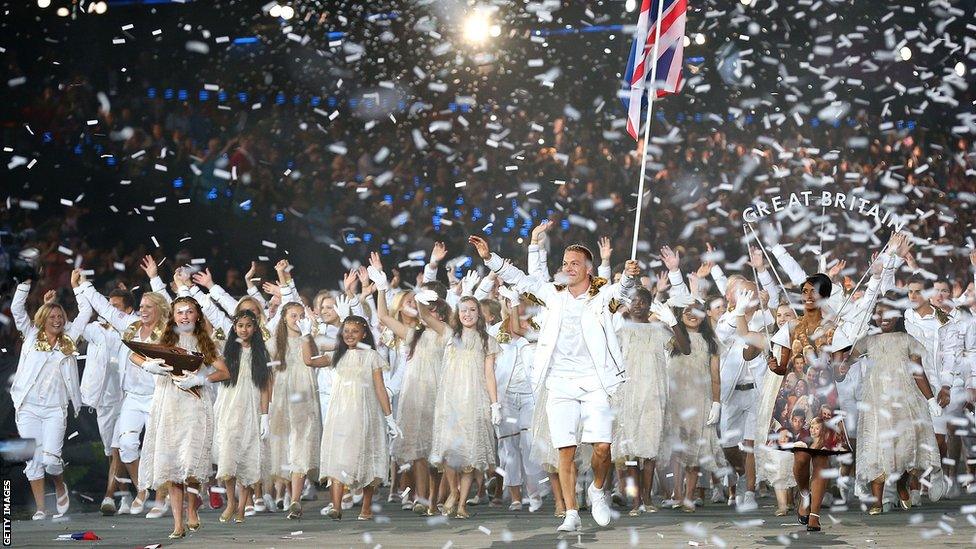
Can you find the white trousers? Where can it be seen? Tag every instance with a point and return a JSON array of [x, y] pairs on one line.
[[107, 417], [515, 443], [953, 416], [129, 426], [46, 425]]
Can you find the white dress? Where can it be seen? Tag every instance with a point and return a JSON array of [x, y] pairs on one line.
[[464, 438], [241, 451], [772, 465], [640, 403], [179, 433], [415, 409], [687, 438], [894, 429], [354, 448], [296, 427]]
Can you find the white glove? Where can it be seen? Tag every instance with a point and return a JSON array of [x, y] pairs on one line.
[[714, 414], [305, 326], [469, 282], [343, 307], [265, 427], [496, 414], [156, 366], [742, 300], [934, 409], [190, 381], [392, 428], [664, 313], [425, 297], [511, 295], [378, 277]]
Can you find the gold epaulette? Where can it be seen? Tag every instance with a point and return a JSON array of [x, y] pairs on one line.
[[265, 334], [531, 298], [134, 328], [534, 324], [219, 334], [941, 315], [615, 305], [65, 345], [503, 337]]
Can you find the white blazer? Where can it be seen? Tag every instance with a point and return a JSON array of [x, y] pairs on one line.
[[597, 323], [32, 360]]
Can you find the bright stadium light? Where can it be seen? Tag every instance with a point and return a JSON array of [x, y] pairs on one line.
[[43, 3], [630, 5], [477, 27], [63, 12], [906, 53], [960, 69], [745, 2], [699, 39], [100, 7], [275, 11], [287, 12]]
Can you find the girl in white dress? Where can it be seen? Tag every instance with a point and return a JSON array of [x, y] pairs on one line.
[[415, 407], [895, 433], [467, 401], [693, 387], [640, 404], [180, 428], [243, 413], [354, 451], [296, 426]]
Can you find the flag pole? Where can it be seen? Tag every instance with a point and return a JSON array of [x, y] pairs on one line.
[[652, 93]]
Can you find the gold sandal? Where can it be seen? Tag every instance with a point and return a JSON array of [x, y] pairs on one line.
[[226, 515], [178, 534], [193, 527]]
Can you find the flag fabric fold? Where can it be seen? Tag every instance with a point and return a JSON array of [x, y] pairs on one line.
[[669, 56]]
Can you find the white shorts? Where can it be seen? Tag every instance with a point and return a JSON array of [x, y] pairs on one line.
[[578, 411], [953, 416], [738, 421]]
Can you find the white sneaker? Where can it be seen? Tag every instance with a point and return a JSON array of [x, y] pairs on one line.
[[515, 506], [748, 503], [718, 496], [598, 505], [325, 510], [916, 497], [138, 506], [535, 503], [938, 485], [357, 497], [40, 515], [108, 506], [259, 506], [309, 492], [269, 504], [125, 505], [250, 511], [571, 523]]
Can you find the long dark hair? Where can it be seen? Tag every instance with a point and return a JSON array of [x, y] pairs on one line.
[[899, 323], [341, 346], [681, 342], [480, 326], [441, 310], [281, 335], [260, 373]]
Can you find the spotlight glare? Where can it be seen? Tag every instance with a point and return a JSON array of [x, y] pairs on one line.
[[745, 2], [101, 7], [43, 3], [960, 69], [477, 27], [699, 38], [906, 53], [63, 12], [496, 31], [687, 41], [275, 11], [287, 12], [630, 5]]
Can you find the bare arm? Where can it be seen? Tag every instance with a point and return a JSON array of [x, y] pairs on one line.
[[432, 321], [380, 389], [383, 312], [311, 359], [221, 374], [920, 379], [266, 395], [490, 383], [716, 378]]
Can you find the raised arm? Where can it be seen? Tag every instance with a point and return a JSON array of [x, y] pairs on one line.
[[377, 275], [252, 289], [606, 250], [436, 256], [790, 266], [509, 273], [428, 317], [157, 285], [77, 327], [18, 307], [119, 320], [672, 262]]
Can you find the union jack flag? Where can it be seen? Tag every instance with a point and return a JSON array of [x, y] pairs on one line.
[[669, 55]]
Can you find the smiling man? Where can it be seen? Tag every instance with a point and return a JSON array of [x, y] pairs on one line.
[[578, 359]]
